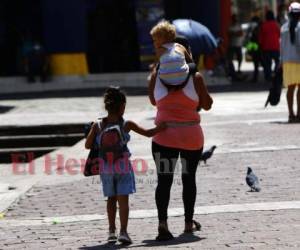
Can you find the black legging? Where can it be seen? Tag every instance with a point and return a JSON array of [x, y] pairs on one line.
[[165, 160]]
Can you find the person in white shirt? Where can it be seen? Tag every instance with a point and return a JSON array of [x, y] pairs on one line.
[[235, 33]]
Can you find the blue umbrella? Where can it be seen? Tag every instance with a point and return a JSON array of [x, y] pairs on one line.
[[200, 38]]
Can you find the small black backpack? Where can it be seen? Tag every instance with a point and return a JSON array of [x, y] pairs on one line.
[[275, 90], [91, 166]]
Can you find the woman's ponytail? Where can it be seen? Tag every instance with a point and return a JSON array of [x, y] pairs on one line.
[[293, 22]]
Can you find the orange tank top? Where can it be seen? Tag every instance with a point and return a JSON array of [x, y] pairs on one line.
[[178, 107]]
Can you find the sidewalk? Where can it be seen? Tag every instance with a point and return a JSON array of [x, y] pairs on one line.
[[11, 86], [68, 211], [17, 85], [134, 83]]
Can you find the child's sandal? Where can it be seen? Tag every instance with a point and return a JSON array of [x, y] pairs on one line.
[[124, 238], [112, 237]]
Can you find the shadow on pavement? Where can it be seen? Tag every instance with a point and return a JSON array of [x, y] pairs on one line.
[[282, 122], [105, 246], [5, 109], [181, 239]]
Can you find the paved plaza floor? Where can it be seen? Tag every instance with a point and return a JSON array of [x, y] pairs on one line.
[[65, 210]]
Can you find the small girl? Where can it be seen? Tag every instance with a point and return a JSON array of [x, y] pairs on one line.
[[117, 183], [173, 57]]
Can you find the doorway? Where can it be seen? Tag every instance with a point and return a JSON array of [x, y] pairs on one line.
[[17, 20], [112, 36]]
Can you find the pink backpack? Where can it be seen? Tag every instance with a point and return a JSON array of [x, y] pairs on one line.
[[112, 142]]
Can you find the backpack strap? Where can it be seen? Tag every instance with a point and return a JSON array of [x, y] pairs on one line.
[[102, 124], [99, 125], [175, 87], [122, 123]]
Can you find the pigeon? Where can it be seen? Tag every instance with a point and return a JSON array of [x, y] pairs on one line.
[[208, 153], [252, 181]]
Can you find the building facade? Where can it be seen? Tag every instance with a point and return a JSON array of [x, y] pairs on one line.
[[95, 36]]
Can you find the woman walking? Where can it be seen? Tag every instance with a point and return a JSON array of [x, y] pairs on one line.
[[269, 35], [177, 105], [290, 56]]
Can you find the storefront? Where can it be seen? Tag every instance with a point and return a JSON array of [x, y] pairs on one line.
[[148, 13], [248, 8], [96, 36], [19, 21]]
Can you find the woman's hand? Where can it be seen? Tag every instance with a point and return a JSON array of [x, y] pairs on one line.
[[162, 126]]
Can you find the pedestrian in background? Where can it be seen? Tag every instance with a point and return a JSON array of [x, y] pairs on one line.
[[269, 35], [252, 46], [290, 56], [282, 17], [35, 60], [235, 34]]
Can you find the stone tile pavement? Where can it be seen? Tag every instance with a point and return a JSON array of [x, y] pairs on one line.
[[250, 230], [246, 135]]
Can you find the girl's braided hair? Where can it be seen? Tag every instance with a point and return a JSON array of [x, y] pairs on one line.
[[113, 99]]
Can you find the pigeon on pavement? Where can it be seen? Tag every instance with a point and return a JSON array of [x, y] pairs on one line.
[[252, 181], [208, 153]]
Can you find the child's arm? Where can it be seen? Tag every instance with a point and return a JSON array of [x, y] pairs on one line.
[[130, 125], [91, 136]]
